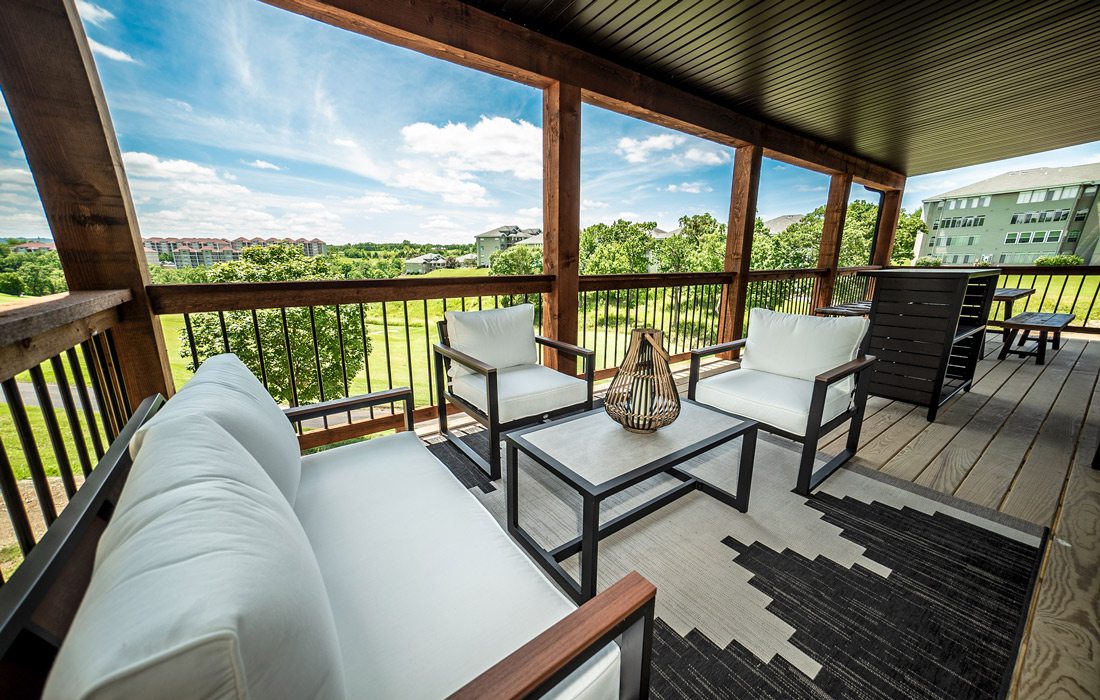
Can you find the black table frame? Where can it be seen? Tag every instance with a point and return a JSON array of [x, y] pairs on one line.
[[592, 495]]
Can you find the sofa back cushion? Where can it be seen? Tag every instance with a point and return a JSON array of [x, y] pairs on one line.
[[225, 390], [498, 337], [800, 346], [204, 584]]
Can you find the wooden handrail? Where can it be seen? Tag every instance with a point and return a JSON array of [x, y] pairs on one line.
[[243, 296], [27, 318], [787, 274]]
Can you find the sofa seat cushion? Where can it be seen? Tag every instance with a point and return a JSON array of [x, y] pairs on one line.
[[800, 346], [781, 402], [225, 390], [426, 589], [527, 390], [498, 337], [204, 585]]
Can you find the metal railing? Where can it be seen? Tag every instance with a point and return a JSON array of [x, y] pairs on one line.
[[64, 401], [1071, 289]]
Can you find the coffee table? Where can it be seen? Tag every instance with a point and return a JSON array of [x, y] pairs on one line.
[[597, 458]]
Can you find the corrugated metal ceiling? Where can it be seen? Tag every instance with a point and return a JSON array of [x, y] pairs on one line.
[[918, 86]]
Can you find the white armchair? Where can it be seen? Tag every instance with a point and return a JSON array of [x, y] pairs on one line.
[[487, 364], [800, 377]]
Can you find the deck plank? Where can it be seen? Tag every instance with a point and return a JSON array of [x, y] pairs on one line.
[[1038, 485], [923, 451], [992, 475], [1062, 649]]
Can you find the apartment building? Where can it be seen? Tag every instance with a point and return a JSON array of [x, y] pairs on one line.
[[1016, 217], [500, 238], [194, 252]]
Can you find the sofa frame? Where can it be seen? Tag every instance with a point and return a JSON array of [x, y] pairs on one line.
[[39, 601], [445, 355], [808, 479]]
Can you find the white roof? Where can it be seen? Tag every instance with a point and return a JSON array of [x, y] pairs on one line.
[[1019, 180]]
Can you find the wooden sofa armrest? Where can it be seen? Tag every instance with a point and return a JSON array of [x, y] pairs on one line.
[[561, 345], [467, 361], [623, 612], [845, 370], [351, 403], [698, 355]]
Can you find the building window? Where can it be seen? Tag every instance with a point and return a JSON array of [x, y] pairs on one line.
[[1037, 237], [969, 221], [1069, 192], [1023, 198], [1054, 236], [1010, 238], [1073, 236], [980, 221], [986, 200], [1090, 190], [935, 224], [1025, 237], [951, 204], [1016, 218], [973, 202], [948, 241], [1061, 215], [966, 258], [1080, 214], [972, 240]]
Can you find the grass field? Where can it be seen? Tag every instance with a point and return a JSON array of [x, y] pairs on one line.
[[457, 272]]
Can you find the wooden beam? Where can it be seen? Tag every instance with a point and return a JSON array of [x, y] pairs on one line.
[[455, 31], [836, 208], [23, 320], [887, 227], [242, 296], [561, 211], [56, 102], [742, 223], [22, 355]]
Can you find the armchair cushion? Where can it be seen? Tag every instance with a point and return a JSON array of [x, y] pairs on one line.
[[779, 401], [204, 584], [225, 391], [526, 390], [799, 346], [498, 337]]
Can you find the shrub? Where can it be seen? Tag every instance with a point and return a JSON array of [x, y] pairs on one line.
[[928, 261], [1055, 260]]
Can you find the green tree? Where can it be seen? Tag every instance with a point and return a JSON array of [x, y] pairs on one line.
[[905, 240], [314, 334], [699, 246], [165, 257], [11, 283], [515, 260], [41, 273], [620, 248]]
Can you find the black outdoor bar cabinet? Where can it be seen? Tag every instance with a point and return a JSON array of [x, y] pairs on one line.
[[927, 331]]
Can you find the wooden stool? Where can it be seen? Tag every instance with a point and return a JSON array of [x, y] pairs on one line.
[[1006, 296], [1044, 324]]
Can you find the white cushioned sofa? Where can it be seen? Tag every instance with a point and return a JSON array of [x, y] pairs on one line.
[[233, 567], [800, 376]]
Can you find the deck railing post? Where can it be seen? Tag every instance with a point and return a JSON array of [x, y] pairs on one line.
[[742, 222], [45, 63], [887, 227], [561, 196], [836, 208]]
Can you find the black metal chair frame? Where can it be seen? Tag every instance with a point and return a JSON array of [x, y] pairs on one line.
[[445, 355], [808, 479]]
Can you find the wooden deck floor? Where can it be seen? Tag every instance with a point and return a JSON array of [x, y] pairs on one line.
[[1020, 442]]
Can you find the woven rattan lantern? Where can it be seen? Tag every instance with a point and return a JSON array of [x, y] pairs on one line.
[[642, 396]]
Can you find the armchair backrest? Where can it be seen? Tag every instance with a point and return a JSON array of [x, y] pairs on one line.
[[498, 337], [798, 346]]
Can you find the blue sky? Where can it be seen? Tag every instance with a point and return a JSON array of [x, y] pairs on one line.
[[236, 118]]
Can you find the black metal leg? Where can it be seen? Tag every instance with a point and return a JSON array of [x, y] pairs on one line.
[[1096, 458], [744, 471], [1007, 347], [590, 542], [513, 487], [1057, 340], [1023, 338], [1008, 315], [1041, 351], [494, 450], [636, 648]]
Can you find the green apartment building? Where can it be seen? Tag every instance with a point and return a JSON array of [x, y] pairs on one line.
[[1016, 217]]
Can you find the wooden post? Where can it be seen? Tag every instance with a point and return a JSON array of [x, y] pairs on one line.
[[561, 197], [887, 227], [58, 108], [836, 208], [742, 222]]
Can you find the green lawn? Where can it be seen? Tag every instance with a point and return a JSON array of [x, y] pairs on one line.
[[1057, 294], [457, 272]]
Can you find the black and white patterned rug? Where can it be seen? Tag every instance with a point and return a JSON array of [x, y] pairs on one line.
[[871, 588]]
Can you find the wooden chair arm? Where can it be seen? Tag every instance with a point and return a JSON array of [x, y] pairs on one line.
[[467, 361], [565, 347], [845, 370], [351, 403], [558, 651], [720, 347]]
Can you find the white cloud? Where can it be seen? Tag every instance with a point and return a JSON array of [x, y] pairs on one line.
[[93, 14], [180, 104], [593, 204], [262, 165], [493, 145], [705, 156], [379, 203], [454, 187], [346, 143], [690, 187], [639, 150], [111, 53]]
